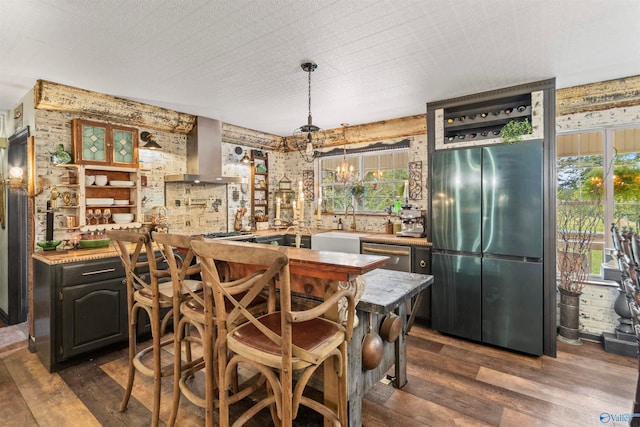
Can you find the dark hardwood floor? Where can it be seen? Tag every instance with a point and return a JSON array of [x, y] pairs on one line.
[[451, 382]]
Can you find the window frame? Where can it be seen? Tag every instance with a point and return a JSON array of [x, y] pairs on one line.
[[359, 170], [608, 163]]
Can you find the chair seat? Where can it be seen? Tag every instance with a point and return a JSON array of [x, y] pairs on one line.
[[318, 335], [166, 291]]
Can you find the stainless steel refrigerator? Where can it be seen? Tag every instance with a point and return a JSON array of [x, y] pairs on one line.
[[487, 235]]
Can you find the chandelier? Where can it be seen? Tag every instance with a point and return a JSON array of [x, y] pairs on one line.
[[307, 137], [344, 172]]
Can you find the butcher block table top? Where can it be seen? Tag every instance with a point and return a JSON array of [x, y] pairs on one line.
[[75, 255]]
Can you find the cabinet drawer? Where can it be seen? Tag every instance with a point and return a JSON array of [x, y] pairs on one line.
[[91, 271]]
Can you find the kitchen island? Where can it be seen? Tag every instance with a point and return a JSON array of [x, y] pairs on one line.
[[65, 331]]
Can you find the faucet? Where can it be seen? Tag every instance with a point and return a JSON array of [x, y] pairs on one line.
[[346, 213]]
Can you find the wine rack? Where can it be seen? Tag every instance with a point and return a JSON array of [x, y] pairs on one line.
[[484, 120]]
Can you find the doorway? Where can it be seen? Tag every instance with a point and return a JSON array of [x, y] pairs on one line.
[[17, 226]]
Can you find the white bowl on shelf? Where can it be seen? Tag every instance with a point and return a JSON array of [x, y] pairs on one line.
[[121, 183], [101, 180], [122, 218], [102, 201]]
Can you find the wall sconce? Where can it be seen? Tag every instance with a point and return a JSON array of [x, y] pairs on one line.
[[16, 181], [150, 143], [245, 159]]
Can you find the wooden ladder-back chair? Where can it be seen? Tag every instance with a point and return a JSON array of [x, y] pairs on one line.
[[275, 344], [188, 310], [145, 292]]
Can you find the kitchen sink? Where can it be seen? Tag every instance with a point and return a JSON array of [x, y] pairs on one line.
[[337, 241]]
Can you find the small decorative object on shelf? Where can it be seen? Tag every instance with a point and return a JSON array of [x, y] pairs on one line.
[[259, 183], [60, 157]]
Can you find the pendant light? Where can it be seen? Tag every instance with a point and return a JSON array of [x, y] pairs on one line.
[[308, 137], [344, 172]]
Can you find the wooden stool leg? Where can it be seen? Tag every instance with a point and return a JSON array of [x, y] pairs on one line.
[[157, 369], [131, 370], [177, 371]]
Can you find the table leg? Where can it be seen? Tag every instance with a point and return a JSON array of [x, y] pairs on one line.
[[400, 350]]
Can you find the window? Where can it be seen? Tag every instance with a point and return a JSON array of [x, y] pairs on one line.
[[383, 174], [604, 167]]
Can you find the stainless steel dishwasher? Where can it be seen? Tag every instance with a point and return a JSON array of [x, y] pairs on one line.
[[400, 259], [399, 256]]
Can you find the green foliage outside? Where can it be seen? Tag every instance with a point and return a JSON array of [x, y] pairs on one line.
[[581, 183], [379, 192]]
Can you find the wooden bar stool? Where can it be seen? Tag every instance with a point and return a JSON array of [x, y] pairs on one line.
[[188, 308], [153, 293], [275, 344], [191, 314]]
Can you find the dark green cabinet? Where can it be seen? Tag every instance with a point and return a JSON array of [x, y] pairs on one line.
[[93, 315], [79, 308], [421, 263]]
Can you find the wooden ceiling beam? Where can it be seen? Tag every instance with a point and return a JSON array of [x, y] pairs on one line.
[[617, 93], [57, 97]]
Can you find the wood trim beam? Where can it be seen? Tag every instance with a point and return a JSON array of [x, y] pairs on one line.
[[376, 131], [605, 95], [233, 134], [57, 97]]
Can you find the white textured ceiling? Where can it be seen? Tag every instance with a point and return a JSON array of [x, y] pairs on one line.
[[238, 60]]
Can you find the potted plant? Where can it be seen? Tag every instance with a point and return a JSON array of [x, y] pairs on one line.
[[577, 222], [358, 190], [514, 131]]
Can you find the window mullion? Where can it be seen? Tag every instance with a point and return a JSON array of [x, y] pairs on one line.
[[608, 167]]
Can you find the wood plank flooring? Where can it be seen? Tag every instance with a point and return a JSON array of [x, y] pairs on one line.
[[451, 382]]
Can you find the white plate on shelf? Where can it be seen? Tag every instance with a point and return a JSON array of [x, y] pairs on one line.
[[122, 221], [121, 202], [121, 183], [99, 201]]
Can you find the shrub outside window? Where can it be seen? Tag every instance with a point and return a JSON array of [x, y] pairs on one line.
[[384, 175]]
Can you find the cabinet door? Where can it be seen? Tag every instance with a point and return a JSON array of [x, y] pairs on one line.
[[456, 295], [90, 142], [421, 263], [124, 146], [97, 143], [94, 315]]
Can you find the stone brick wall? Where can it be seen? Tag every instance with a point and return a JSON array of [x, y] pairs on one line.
[[53, 127]]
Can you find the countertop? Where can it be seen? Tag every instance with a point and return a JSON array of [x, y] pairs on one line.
[[75, 255], [370, 237]]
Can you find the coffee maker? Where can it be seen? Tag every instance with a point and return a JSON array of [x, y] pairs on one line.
[[413, 222]]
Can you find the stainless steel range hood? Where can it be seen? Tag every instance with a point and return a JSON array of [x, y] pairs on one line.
[[204, 155]]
